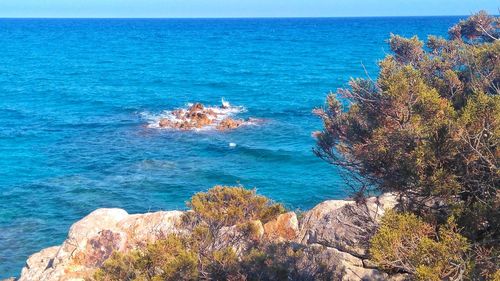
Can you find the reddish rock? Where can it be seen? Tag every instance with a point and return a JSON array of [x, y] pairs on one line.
[[229, 124], [166, 123], [100, 248], [94, 238], [198, 116], [199, 119], [284, 228], [196, 107]]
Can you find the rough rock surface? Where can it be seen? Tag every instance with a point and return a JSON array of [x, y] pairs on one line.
[[340, 228], [284, 228], [198, 116], [92, 240], [344, 225], [229, 124]]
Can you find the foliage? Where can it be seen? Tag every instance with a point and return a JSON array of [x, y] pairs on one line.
[[428, 129], [226, 206], [219, 246], [406, 243], [167, 259]]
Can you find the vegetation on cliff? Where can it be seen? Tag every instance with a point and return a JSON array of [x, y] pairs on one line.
[[427, 128], [221, 244]]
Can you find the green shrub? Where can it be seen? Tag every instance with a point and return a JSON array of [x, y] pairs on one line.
[[428, 127], [222, 218], [227, 206], [406, 243], [167, 259]]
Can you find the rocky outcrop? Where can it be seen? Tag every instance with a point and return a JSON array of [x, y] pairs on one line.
[[344, 228], [284, 228], [341, 229], [344, 225], [229, 124], [197, 116], [93, 239]]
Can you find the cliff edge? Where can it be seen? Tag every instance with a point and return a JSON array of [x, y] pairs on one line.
[[342, 228]]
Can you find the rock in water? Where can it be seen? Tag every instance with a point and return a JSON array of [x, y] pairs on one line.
[[229, 124], [197, 116], [166, 123]]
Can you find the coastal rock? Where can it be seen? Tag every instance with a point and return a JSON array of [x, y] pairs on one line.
[[142, 228], [94, 238], [195, 108], [166, 123], [38, 263], [349, 267], [240, 237], [229, 124], [334, 233], [198, 116], [344, 225], [284, 228]]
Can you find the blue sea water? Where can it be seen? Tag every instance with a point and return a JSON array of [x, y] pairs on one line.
[[74, 94]]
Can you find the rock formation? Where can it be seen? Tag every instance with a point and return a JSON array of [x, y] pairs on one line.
[[91, 241], [197, 116], [229, 124], [341, 228]]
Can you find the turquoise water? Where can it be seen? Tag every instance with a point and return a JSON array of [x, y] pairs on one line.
[[76, 96]]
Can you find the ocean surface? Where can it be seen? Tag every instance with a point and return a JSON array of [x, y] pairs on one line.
[[77, 95]]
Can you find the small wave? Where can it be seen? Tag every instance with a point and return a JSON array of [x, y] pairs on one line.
[[217, 114]]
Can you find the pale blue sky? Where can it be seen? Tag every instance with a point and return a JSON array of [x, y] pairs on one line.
[[241, 8]]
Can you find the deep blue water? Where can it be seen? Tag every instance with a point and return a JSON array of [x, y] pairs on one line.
[[73, 95]]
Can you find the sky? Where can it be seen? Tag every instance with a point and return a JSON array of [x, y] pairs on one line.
[[240, 8]]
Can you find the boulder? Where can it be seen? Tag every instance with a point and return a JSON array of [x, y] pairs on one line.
[[284, 228], [94, 238], [199, 119], [196, 107], [344, 266], [344, 225], [38, 263], [166, 123], [229, 124]]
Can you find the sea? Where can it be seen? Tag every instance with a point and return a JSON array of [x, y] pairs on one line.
[[79, 100]]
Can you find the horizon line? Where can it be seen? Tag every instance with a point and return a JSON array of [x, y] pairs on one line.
[[249, 17]]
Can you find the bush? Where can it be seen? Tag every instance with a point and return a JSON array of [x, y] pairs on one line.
[[219, 246], [167, 259], [227, 206], [406, 243], [428, 128]]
